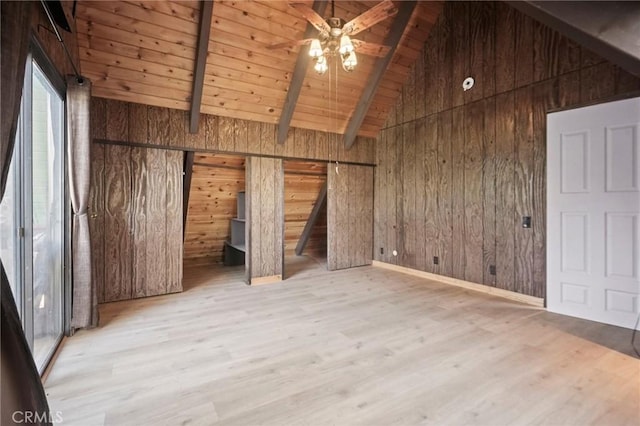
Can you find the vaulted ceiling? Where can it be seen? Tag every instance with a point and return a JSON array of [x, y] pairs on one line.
[[145, 51]]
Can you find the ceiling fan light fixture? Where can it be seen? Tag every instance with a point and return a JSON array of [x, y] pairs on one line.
[[321, 66], [315, 50], [345, 45], [349, 61]]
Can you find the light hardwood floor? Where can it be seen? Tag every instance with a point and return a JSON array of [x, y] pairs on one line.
[[362, 346]]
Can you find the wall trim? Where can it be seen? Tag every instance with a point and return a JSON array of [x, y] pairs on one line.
[[266, 280], [512, 295]]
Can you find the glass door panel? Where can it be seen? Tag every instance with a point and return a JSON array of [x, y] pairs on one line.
[[47, 208]]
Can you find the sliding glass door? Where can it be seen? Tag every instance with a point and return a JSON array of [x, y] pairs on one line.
[[32, 215]]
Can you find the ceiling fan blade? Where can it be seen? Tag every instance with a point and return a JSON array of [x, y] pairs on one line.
[[290, 44], [377, 13], [371, 49], [310, 15]]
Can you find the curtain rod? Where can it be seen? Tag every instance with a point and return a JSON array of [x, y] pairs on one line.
[[79, 78]]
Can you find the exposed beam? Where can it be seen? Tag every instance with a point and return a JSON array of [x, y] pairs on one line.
[[393, 38], [204, 30], [609, 28], [186, 187], [313, 218], [299, 73]]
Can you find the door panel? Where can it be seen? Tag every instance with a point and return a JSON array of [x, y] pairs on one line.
[[349, 216], [593, 208]]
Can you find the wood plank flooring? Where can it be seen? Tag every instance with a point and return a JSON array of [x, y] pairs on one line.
[[359, 346]]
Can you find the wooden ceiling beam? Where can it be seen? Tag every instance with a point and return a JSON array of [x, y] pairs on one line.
[[298, 78], [204, 30], [405, 11]]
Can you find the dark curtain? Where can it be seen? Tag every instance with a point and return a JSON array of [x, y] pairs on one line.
[[21, 386]]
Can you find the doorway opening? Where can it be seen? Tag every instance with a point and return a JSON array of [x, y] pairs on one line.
[[305, 218], [213, 238]]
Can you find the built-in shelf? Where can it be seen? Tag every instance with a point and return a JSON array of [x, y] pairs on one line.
[[235, 249]]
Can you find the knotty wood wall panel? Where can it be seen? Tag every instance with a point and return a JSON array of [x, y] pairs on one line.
[[215, 182], [140, 208], [118, 226], [489, 145], [159, 127], [174, 223], [265, 217], [349, 216], [137, 237]]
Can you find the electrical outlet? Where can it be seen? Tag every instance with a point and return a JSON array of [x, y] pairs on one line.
[[436, 260], [526, 221], [492, 269], [381, 250]]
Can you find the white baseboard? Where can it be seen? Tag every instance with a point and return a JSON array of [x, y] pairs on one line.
[[523, 298]]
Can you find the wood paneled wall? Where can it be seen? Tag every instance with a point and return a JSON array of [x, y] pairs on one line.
[[457, 170], [169, 128], [265, 218], [215, 183], [135, 211], [349, 216], [303, 181]]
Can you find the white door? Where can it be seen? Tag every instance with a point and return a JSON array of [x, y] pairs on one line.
[[593, 204]]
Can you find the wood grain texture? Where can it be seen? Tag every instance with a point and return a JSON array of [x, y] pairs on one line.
[[156, 224], [505, 47], [158, 125], [96, 211], [138, 123], [349, 216], [164, 127], [458, 191], [216, 181], [445, 196], [445, 50], [177, 127], [118, 224], [490, 153], [265, 217], [430, 187], [408, 181], [399, 192], [174, 234], [460, 67], [391, 189], [488, 13], [472, 236], [476, 38], [142, 198], [489, 191], [523, 30], [98, 116], [424, 195], [524, 170], [505, 191], [139, 200], [117, 120], [545, 98]]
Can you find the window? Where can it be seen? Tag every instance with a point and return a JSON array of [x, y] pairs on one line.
[[32, 215]]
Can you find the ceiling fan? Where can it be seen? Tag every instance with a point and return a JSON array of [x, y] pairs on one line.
[[334, 38]]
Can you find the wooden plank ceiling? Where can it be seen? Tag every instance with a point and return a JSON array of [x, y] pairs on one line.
[[144, 52]]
